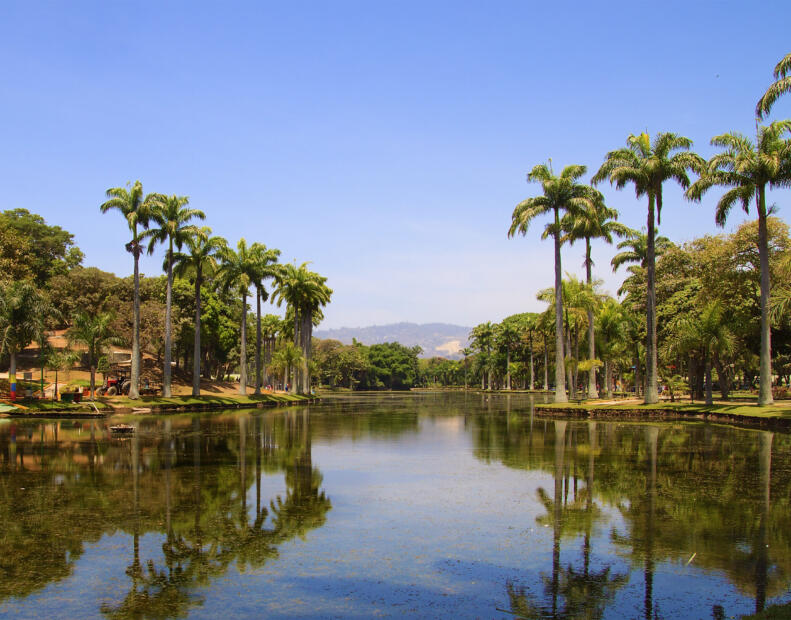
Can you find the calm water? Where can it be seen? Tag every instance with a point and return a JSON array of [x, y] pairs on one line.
[[426, 505]]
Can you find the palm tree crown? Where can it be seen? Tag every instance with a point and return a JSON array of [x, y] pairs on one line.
[[781, 86]]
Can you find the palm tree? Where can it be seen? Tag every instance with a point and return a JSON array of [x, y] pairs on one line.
[[199, 260], [561, 194], [270, 327], [136, 209], [305, 292], [265, 268], [709, 334], [482, 339], [635, 250], [746, 169], [610, 329], [172, 215], [23, 314], [595, 221], [96, 332], [647, 165], [781, 86], [237, 271]]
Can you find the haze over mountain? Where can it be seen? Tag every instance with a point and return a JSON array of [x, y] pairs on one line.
[[436, 339]]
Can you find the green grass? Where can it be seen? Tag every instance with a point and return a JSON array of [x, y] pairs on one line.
[[773, 612], [185, 401], [44, 405], [778, 410]]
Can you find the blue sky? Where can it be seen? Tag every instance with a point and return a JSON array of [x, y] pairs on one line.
[[385, 142]]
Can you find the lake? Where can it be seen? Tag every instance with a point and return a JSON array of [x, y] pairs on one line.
[[423, 504]]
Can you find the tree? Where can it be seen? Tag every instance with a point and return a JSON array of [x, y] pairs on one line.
[[647, 165], [199, 260], [305, 292], [172, 215], [95, 331], [746, 169], [265, 267], [709, 333], [610, 330], [237, 273], [594, 221], [781, 86], [482, 340], [136, 209], [560, 194], [23, 315]]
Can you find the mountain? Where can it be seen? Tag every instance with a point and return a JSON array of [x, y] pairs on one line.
[[436, 339]]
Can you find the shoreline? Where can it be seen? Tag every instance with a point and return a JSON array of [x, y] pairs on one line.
[[152, 405]]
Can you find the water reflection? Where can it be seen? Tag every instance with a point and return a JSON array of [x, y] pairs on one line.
[[185, 479], [454, 505], [689, 495]]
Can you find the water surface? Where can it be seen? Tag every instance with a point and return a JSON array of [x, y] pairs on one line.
[[386, 505]]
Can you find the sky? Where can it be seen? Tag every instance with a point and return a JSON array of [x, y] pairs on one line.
[[386, 143]]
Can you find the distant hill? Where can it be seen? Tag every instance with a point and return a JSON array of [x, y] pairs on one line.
[[436, 339]]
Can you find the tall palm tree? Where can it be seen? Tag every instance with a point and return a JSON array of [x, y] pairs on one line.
[[781, 86], [198, 261], [265, 268], [647, 165], [135, 207], [746, 169], [270, 328], [482, 339], [237, 272], [594, 221], [23, 315], [561, 195], [305, 292], [96, 332], [171, 215]]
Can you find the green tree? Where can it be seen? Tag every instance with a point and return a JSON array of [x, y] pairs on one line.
[[265, 268], [237, 272], [482, 340], [648, 165], [746, 169], [196, 262], [561, 195], [135, 208], [781, 86], [305, 292], [95, 331], [23, 315], [171, 216], [594, 221]]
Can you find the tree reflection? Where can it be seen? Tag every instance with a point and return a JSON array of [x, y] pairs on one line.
[[710, 498], [185, 483]]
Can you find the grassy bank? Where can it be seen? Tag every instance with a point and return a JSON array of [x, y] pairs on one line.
[[107, 405], [777, 414]]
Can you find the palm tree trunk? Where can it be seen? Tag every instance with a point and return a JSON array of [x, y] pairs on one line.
[[93, 381], [709, 397], [651, 392], [532, 366], [12, 375], [196, 350], [243, 348], [508, 369], [765, 381], [134, 373], [546, 364], [257, 341], [305, 334], [560, 380], [592, 392], [608, 377], [168, 327]]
